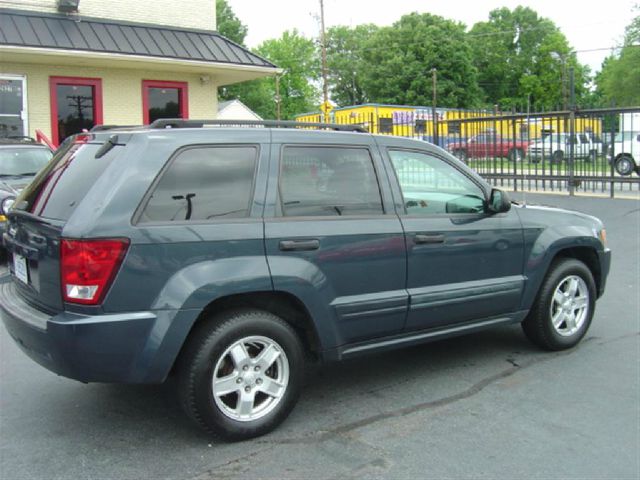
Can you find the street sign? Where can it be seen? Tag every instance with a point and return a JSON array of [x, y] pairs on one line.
[[326, 107]]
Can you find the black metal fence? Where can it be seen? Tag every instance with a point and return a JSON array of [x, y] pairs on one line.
[[577, 151]]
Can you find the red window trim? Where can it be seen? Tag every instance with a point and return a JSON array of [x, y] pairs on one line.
[[96, 83], [183, 89]]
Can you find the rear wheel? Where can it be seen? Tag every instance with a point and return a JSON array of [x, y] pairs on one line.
[[515, 155], [625, 165], [241, 373], [563, 309], [557, 156]]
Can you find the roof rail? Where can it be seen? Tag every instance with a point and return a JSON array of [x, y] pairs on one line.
[[18, 139], [102, 128], [180, 123]]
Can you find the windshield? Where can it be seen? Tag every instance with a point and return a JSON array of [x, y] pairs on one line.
[[554, 138], [23, 161], [626, 136]]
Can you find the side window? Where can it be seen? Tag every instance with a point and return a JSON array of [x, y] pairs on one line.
[[204, 183], [328, 181], [431, 186]]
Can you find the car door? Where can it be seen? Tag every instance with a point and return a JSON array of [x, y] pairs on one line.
[[332, 237], [463, 262]]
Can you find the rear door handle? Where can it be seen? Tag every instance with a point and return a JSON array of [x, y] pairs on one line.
[[425, 239], [299, 245]]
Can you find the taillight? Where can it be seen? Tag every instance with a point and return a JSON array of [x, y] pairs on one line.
[[87, 268]]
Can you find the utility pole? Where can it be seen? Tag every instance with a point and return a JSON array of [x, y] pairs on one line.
[[572, 130], [323, 42], [278, 99], [434, 113]]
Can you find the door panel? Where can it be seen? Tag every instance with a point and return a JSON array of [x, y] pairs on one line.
[[463, 264], [326, 245]]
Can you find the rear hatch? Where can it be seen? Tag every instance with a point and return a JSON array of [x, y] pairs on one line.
[[40, 212]]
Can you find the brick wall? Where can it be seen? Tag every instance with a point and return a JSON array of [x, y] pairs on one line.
[[200, 14], [121, 92]]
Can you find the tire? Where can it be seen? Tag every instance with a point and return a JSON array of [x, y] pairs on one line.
[[230, 346], [461, 155], [557, 156], [625, 165], [559, 318], [593, 156], [515, 155]]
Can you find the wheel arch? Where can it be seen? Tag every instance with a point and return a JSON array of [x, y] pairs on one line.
[[586, 255], [583, 249], [282, 304]]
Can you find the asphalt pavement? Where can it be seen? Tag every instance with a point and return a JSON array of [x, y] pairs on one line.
[[488, 405]]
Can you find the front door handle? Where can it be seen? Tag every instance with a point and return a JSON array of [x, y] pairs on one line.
[[425, 239], [299, 245]]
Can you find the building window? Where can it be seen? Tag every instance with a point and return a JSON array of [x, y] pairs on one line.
[[76, 105], [164, 100], [385, 125]]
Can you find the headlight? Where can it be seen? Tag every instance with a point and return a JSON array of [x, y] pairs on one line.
[[6, 204]]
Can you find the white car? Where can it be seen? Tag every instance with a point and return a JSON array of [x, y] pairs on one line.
[[625, 153], [556, 147]]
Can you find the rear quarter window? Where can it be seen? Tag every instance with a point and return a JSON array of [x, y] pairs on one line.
[[58, 189], [203, 184]]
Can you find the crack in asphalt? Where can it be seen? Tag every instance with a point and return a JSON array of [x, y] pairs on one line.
[[321, 436], [631, 211]]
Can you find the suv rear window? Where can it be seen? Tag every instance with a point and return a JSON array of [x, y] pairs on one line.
[[203, 183], [58, 189]]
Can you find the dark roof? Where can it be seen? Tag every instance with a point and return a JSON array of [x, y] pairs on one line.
[[33, 29]]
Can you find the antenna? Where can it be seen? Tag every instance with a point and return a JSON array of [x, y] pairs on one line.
[[323, 42]]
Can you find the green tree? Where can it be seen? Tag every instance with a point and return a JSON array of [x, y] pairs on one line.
[[619, 80], [397, 63], [345, 62], [229, 25], [298, 57], [523, 57]]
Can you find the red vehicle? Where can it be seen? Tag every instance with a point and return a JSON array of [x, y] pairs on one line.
[[489, 145]]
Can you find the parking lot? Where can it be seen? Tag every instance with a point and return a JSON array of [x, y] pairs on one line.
[[488, 405]]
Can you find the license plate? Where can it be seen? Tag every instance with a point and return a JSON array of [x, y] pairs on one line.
[[20, 268]]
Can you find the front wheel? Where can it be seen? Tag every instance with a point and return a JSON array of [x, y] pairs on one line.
[[563, 309], [241, 373]]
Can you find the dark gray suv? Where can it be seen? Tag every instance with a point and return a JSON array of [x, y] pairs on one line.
[[231, 256]]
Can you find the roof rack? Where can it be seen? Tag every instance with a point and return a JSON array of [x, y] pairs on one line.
[[180, 123], [18, 139], [103, 128]]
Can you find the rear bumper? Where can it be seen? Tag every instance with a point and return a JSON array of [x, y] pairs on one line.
[[138, 347]]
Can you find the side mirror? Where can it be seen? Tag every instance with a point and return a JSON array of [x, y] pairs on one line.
[[499, 201]]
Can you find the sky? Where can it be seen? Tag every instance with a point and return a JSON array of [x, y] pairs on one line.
[[592, 28]]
